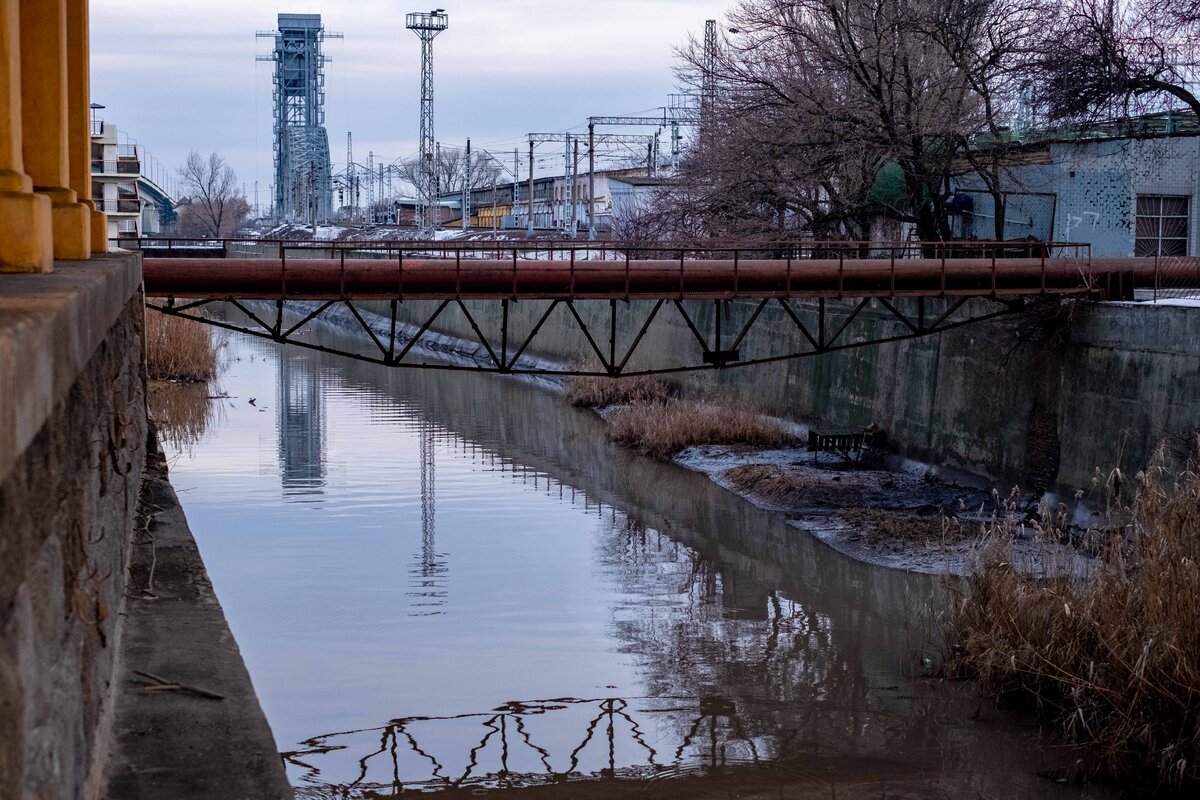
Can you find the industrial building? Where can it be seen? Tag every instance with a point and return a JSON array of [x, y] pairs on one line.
[[618, 192], [1127, 190]]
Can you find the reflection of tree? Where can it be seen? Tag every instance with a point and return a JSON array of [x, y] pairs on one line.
[[300, 418]]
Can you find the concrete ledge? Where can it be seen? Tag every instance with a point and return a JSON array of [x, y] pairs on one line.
[[177, 742], [50, 326]]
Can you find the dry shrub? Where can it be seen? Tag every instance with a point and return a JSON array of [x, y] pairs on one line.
[[590, 391], [773, 483], [1111, 652], [660, 430], [179, 349]]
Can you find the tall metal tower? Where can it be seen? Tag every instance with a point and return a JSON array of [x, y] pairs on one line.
[[427, 27], [303, 172], [708, 96]]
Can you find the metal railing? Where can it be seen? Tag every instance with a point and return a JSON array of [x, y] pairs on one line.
[[120, 206], [123, 166], [619, 251]]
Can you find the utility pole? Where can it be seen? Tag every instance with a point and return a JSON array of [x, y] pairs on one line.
[[591, 181], [350, 175], [516, 182], [566, 216], [529, 199], [436, 221], [466, 215], [574, 193], [427, 27]]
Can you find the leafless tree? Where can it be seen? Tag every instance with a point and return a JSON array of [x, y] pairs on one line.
[[212, 205], [1117, 58], [821, 103], [451, 170]]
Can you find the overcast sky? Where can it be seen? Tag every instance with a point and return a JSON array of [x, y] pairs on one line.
[[180, 75]]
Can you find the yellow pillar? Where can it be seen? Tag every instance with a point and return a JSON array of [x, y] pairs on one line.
[[45, 117], [25, 233], [79, 99]]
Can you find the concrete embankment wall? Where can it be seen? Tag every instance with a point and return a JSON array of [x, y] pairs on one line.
[[1042, 399], [72, 448]]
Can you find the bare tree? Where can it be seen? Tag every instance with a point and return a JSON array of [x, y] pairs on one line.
[[1115, 58], [212, 205], [451, 171]]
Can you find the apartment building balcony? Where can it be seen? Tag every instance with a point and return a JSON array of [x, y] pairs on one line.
[[123, 205], [122, 166]]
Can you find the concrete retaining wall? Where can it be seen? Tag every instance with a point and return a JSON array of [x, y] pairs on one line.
[[72, 447], [1039, 399]]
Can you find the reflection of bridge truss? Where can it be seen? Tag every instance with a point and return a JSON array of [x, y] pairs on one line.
[[613, 743]]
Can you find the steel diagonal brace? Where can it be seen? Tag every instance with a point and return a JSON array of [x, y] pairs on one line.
[[482, 339], [749, 324], [608, 368], [692, 327], [895, 313], [641, 332], [366, 327], [421, 332], [846, 323], [308, 319], [529, 339], [787, 306], [272, 331]]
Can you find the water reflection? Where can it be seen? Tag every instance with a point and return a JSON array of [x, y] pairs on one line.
[[428, 574], [183, 412], [675, 629], [300, 417]]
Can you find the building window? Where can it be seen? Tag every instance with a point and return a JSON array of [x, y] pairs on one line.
[[1162, 226]]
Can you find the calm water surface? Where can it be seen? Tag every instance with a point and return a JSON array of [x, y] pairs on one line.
[[448, 580]]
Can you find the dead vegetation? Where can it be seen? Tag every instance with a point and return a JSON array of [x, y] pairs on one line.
[[660, 430], [775, 484], [179, 349], [879, 526], [1112, 653], [590, 391]]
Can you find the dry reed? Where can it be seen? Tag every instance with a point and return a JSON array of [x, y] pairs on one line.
[[774, 484], [591, 391], [1111, 652], [660, 430], [179, 349]]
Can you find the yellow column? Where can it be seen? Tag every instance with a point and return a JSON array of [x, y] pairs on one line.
[[79, 99], [45, 123], [25, 233]]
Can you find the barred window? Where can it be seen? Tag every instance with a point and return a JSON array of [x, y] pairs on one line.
[[1162, 226]]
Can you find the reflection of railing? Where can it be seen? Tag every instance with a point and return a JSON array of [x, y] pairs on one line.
[[612, 743]]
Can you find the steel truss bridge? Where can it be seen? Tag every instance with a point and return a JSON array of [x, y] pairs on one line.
[[836, 295]]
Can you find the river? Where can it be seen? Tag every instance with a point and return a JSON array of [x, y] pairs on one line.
[[451, 582]]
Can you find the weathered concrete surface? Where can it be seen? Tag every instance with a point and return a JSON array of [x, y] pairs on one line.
[[72, 440], [50, 325], [1041, 400], [177, 743]]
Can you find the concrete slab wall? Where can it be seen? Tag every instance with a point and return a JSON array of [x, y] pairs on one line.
[[1043, 399], [72, 447]]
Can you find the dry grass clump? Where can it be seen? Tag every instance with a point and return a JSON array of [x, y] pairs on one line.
[[878, 525], [183, 412], [773, 483], [1113, 654], [660, 430], [589, 391], [179, 349]]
